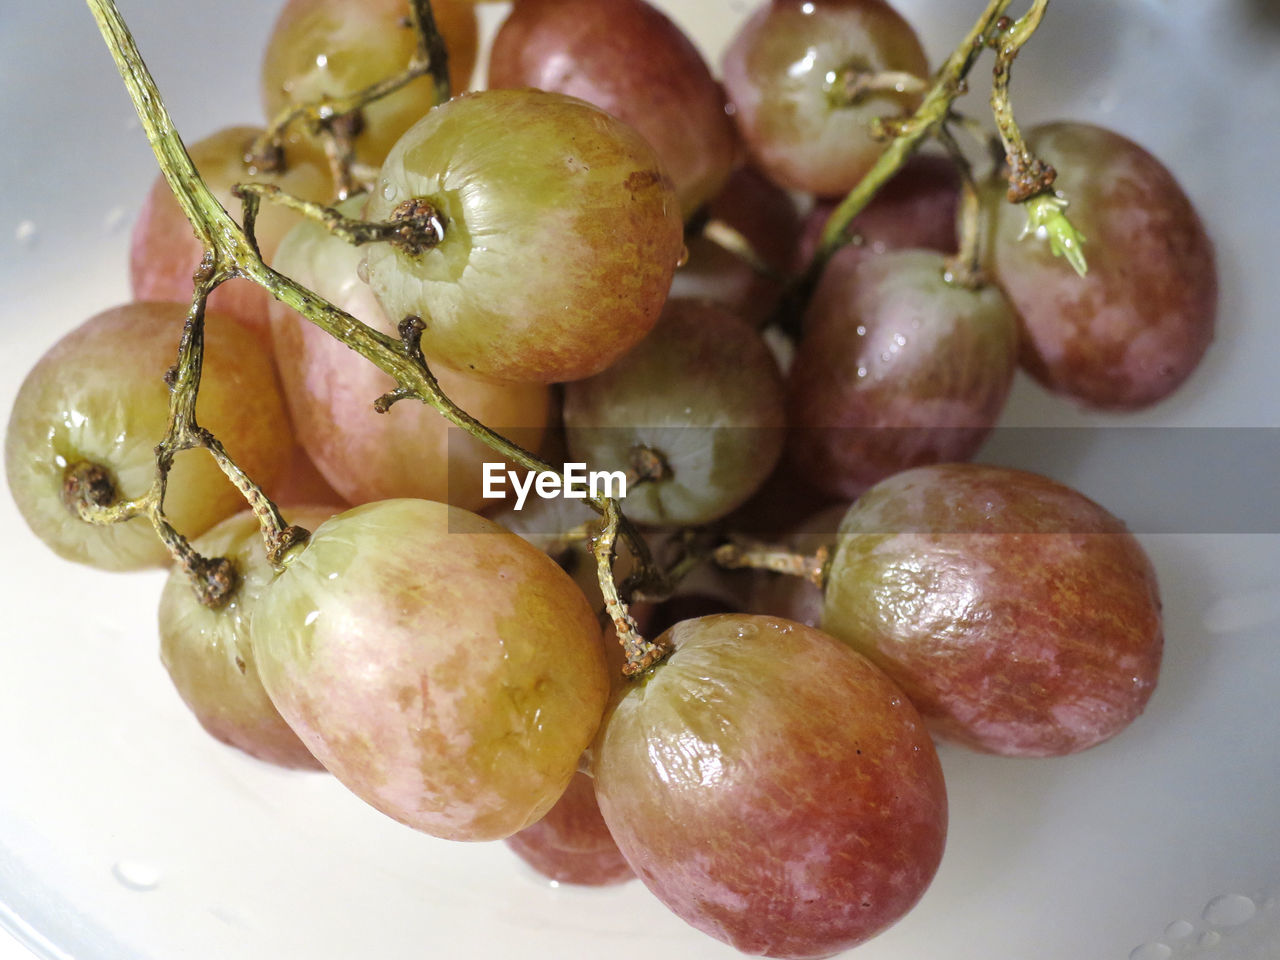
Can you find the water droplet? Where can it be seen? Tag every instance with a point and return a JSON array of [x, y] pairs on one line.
[[322, 61], [683, 258], [899, 339], [136, 875], [1179, 930], [362, 269], [26, 233], [1151, 951], [861, 331], [113, 220], [1229, 910], [885, 357], [862, 372], [388, 190]]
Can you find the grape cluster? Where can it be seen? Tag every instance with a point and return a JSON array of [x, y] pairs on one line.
[[611, 256]]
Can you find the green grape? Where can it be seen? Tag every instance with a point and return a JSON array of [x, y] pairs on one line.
[[208, 652], [98, 396], [446, 671], [410, 450], [327, 48], [561, 236], [701, 398]]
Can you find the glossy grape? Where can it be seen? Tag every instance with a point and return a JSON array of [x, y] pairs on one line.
[[1134, 328], [571, 844], [781, 73], [772, 788], [326, 48], [702, 395], [164, 251], [1019, 616], [630, 59], [561, 236], [98, 396], [444, 670], [897, 368], [411, 450], [208, 652]]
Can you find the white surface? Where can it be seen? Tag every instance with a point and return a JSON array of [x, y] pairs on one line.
[[103, 775]]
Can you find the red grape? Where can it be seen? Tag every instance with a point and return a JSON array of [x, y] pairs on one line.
[[1131, 331], [628, 58], [782, 74], [772, 788], [571, 844], [1019, 616]]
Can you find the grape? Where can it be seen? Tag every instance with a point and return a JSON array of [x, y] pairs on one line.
[[164, 251], [328, 48], [772, 788], [703, 397], [897, 368], [444, 670], [411, 450], [98, 396], [782, 69], [766, 218], [1019, 616], [628, 58], [1132, 330], [916, 208], [571, 844], [561, 236], [208, 653]]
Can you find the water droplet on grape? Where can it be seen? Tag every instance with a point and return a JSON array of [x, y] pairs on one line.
[[1151, 951], [388, 190], [862, 372], [311, 618], [899, 339], [683, 258], [885, 357], [26, 233], [136, 875], [1179, 930], [861, 331], [322, 61], [362, 269], [1229, 910]]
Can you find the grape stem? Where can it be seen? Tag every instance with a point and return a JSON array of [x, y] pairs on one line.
[[641, 653], [814, 567], [231, 252], [965, 268]]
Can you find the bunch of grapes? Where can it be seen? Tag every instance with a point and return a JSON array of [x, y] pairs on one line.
[[783, 302]]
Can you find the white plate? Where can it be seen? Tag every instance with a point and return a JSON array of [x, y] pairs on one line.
[[126, 833]]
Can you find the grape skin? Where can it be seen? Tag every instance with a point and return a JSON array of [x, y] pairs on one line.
[[774, 789], [897, 367], [776, 74], [99, 395], [1020, 617], [411, 450], [444, 670], [626, 57], [717, 421], [208, 653], [562, 235], [571, 844], [1130, 332], [327, 48]]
